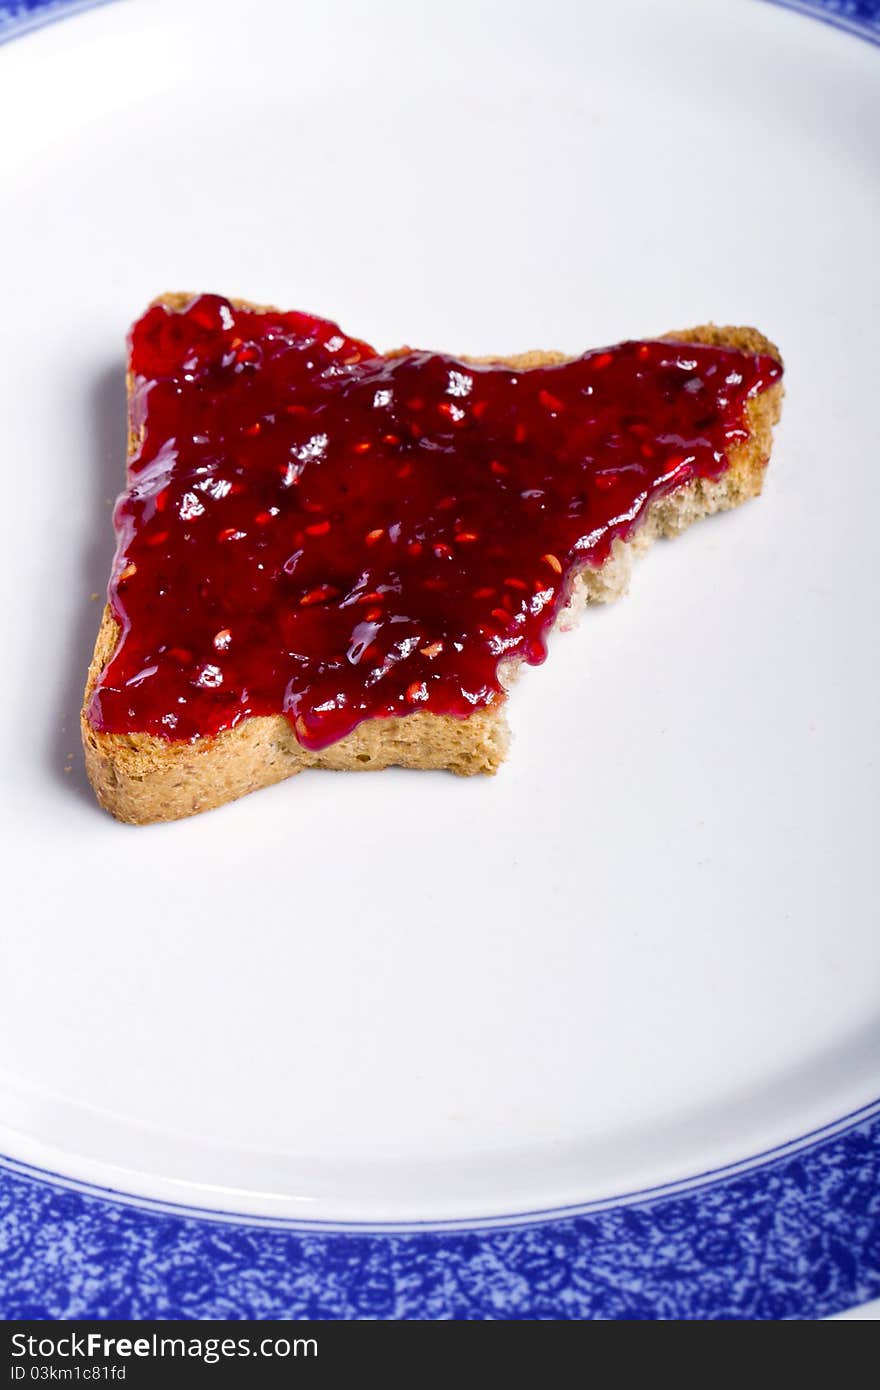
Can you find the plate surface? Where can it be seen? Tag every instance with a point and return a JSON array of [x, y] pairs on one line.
[[647, 950]]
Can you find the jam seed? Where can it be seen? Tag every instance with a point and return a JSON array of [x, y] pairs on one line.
[[517, 584], [433, 649], [501, 615], [416, 692], [363, 446], [604, 359], [231, 534], [466, 537], [552, 561], [499, 469], [158, 539], [319, 528], [128, 572], [319, 595], [373, 536], [222, 639], [485, 592], [393, 439], [549, 401]]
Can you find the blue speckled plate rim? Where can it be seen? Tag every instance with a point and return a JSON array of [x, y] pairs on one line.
[[793, 1232]]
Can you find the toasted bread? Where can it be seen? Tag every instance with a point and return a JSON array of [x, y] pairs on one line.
[[141, 778]]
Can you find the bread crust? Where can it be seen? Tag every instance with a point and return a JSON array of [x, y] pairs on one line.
[[141, 779]]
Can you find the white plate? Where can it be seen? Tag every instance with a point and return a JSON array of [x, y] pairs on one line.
[[647, 948]]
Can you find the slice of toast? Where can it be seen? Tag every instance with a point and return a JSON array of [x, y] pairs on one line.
[[141, 778]]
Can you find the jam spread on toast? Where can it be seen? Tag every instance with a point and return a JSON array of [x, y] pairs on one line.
[[314, 529]]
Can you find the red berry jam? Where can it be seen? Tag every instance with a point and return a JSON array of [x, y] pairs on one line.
[[315, 529]]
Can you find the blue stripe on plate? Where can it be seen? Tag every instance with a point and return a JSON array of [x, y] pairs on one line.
[[795, 1235], [20, 16], [859, 17]]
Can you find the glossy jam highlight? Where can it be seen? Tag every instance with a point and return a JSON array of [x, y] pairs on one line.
[[315, 529]]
